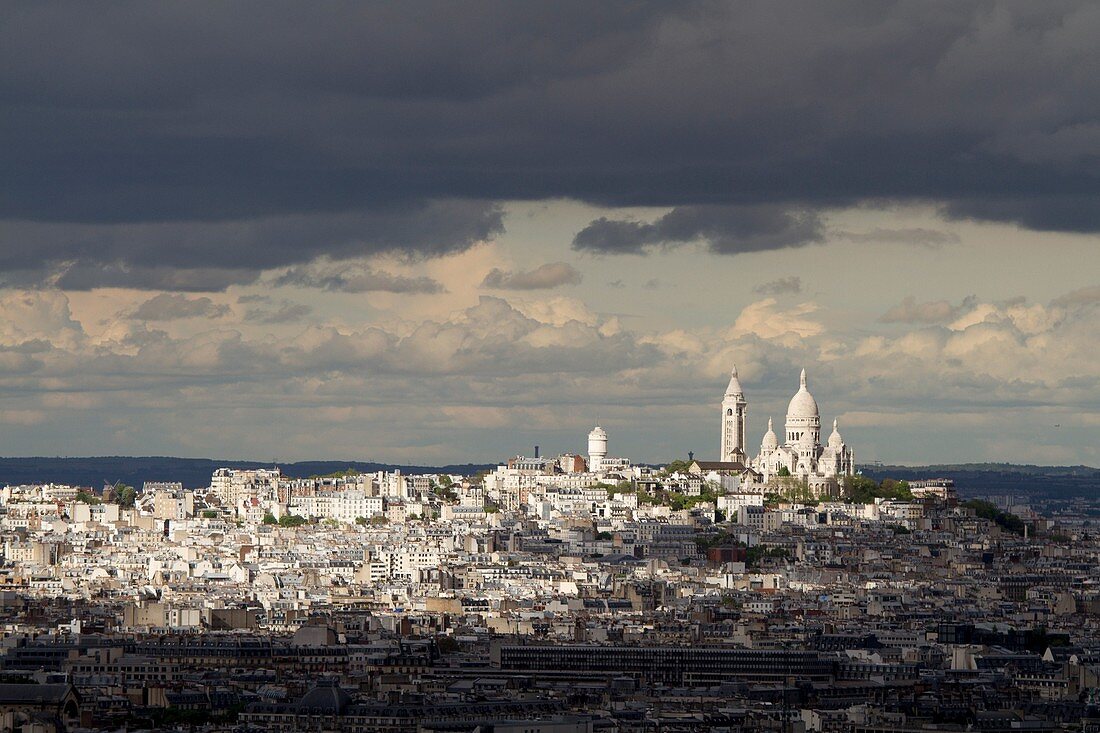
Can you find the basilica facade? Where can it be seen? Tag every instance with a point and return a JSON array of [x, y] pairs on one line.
[[800, 452]]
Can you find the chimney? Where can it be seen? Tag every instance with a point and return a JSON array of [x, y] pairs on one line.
[[536, 451]]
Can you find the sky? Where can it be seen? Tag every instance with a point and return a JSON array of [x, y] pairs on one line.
[[448, 232]]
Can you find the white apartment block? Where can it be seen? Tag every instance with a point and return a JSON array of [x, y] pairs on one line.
[[343, 506]]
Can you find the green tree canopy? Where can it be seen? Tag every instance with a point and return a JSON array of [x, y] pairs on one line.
[[678, 466], [862, 490], [292, 520], [125, 495], [1004, 520]]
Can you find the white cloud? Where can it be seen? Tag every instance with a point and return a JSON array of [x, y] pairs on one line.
[[498, 368], [769, 320], [38, 315]]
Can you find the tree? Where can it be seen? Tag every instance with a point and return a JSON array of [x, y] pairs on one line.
[[604, 536], [892, 489], [209, 514], [678, 466], [445, 492], [85, 497], [292, 520], [862, 490], [269, 518], [1004, 520], [125, 495], [346, 473], [378, 520], [783, 471], [756, 553]]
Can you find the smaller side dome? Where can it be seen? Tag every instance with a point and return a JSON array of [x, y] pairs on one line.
[[770, 441], [835, 441]]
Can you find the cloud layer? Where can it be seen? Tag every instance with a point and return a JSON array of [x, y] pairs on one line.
[[234, 145], [489, 374]]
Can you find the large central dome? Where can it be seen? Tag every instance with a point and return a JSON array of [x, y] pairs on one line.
[[803, 404]]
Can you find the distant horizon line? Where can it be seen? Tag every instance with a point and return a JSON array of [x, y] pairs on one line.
[[276, 463]]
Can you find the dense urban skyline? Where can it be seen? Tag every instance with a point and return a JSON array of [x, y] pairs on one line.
[[437, 234]]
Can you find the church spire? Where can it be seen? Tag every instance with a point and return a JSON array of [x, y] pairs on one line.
[[802, 379], [734, 387]]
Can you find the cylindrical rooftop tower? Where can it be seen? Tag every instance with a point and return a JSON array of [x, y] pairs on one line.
[[597, 448]]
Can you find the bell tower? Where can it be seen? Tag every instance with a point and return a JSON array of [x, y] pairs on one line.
[[734, 412]]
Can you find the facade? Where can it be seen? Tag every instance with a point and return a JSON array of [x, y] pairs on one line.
[[801, 451]]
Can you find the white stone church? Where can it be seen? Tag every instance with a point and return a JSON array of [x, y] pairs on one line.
[[800, 452]]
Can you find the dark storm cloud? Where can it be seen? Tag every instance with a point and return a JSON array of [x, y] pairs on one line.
[[211, 255], [725, 230], [200, 118]]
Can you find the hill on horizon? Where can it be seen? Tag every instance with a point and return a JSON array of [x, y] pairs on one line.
[[970, 478], [191, 472], [1001, 478]]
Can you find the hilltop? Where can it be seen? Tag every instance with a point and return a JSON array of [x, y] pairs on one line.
[[191, 472], [1001, 478]]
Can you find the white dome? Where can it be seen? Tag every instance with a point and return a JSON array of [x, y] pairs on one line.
[[770, 441], [835, 441], [597, 432], [803, 404]]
